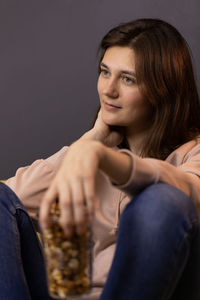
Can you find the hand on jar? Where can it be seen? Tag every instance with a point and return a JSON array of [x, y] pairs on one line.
[[74, 186]]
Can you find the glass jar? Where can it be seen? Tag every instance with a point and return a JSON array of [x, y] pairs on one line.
[[68, 260]]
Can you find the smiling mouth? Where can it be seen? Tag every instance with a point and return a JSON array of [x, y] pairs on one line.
[[107, 105]]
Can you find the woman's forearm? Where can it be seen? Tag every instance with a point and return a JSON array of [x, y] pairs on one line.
[[116, 165]]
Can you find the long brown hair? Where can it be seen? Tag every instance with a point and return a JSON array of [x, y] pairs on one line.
[[165, 77]]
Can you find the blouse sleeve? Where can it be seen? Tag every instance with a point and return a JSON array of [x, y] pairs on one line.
[[31, 182], [147, 171]]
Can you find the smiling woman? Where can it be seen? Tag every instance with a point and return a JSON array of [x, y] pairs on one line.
[[134, 176], [121, 100]]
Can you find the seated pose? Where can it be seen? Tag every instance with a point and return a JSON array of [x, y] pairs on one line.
[[136, 171]]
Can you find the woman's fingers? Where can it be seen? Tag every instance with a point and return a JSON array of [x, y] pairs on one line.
[[74, 187], [77, 207], [76, 198], [90, 198], [78, 203], [66, 208], [45, 207]]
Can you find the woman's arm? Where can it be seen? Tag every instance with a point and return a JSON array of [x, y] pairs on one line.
[[74, 184], [185, 175], [31, 182]]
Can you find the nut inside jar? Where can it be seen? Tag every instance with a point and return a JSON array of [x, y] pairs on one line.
[[68, 259]]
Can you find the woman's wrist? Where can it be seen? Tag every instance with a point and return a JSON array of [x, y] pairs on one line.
[[117, 165]]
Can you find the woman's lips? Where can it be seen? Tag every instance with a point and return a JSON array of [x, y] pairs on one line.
[[111, 107]]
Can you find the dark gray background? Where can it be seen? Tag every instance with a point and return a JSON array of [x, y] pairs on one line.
[[48, 67]]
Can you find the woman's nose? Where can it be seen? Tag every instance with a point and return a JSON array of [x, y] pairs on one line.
[[111, 89]]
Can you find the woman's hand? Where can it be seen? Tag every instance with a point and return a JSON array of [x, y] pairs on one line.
[[109, 136], [74, 186]]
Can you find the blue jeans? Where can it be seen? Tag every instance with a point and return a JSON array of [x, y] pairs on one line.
[[158, 249], [157, 255], [22, 271]]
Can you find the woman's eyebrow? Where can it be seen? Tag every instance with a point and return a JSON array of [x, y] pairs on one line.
[[122, 71], [129, 73], [104, 65]]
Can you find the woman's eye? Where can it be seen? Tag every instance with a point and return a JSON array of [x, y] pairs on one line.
[[128, 80], [104, 72]]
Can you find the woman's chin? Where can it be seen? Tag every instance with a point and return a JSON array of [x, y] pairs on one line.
[[111, 121]]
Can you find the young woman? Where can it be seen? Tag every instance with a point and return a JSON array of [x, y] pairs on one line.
[[137, 172]]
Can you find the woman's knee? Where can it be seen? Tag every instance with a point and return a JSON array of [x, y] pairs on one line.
[[8, 199], [158, 209]]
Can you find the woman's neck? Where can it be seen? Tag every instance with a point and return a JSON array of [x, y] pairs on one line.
[[136, 140]]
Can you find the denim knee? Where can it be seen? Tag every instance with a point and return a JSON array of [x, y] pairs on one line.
[[157, 211], [9, 200]]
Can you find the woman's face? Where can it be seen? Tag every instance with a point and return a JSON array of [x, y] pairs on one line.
[[121, 101]]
